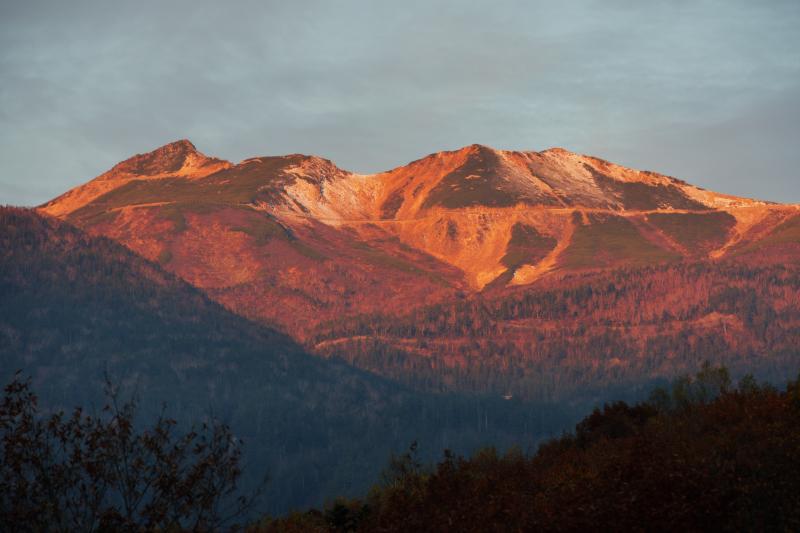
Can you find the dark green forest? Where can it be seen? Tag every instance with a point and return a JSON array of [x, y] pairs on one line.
[[697, 455], [700, 455]]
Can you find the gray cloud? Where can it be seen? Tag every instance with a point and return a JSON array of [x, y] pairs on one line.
[[707, 91]]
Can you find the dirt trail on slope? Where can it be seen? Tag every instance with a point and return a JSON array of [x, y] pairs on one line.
[[658, 237]]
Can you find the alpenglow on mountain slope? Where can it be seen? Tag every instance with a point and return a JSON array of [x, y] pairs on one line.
[[453, 220], [444, 264]]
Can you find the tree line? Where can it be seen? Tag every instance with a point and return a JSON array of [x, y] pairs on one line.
[[699, 455]]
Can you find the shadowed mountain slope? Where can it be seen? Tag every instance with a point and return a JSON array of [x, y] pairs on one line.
[[74, 308]]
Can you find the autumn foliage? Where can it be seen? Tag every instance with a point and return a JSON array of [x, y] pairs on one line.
[[697, 457]]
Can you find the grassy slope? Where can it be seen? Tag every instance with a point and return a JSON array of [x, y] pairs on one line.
[[695, 231], [609, 240]]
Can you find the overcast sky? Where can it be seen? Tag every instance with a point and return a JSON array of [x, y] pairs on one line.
[[708, 91]]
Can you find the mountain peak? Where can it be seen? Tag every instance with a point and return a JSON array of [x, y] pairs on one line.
[[167, 158], [469, 150], [178, 159], [179, 145], [558, 150], [477, 147]]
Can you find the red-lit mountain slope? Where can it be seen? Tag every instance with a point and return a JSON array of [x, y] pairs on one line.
[[294, 239]]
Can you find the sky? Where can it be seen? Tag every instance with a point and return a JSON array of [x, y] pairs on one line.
[[707, 91]]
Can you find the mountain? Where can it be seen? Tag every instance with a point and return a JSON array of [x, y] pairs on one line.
[[76, 308], [418, 272], [178, 159], [223, 233]]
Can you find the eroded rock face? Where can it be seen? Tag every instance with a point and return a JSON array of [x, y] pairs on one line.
[[296, 241]]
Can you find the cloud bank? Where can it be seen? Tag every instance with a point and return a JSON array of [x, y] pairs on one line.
[[707, 91]]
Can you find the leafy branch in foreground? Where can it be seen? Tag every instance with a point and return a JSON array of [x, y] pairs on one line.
[[78, 472]]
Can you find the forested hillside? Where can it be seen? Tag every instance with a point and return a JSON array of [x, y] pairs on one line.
[[700, 456], [586, 333], [75, 309]]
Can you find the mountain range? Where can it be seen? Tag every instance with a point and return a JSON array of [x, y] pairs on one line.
[[471, 297], [472, 270]]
